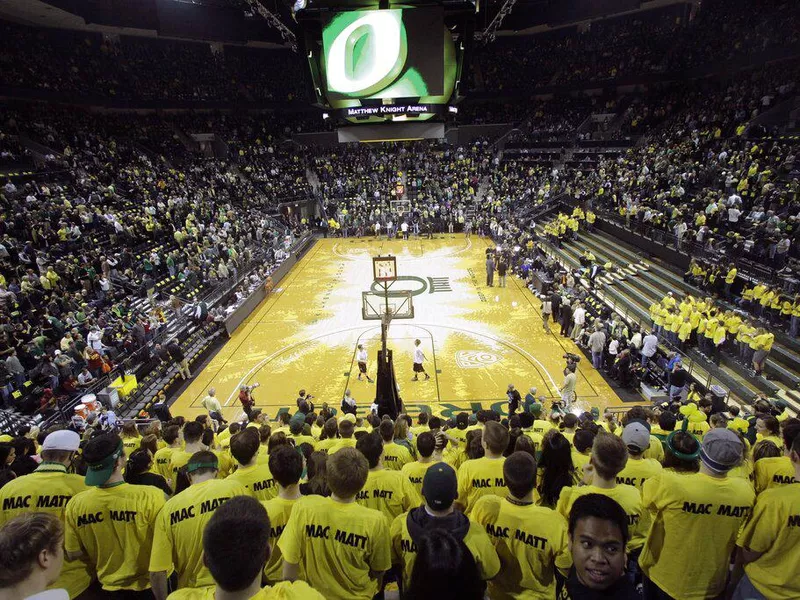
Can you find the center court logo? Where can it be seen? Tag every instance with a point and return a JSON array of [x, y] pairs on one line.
[[476, 359]]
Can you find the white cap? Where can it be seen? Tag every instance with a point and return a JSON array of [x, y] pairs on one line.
[[62, 440]]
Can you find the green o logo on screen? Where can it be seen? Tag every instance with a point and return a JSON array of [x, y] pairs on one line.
[[365, 51]]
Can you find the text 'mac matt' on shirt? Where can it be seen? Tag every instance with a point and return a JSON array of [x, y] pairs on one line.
[[480, 477], [48, 489], [694, 515], [336, 545], [389, 492], [114, 526], [258, 479], [178, 538], [531, 541]]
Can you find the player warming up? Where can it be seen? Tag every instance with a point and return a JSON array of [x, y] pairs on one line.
[[419, 358], [361, 358]]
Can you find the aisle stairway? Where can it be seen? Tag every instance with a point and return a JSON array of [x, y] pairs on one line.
[[647, 281]]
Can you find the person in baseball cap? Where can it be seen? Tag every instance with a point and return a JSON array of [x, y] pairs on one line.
[[440, 486], [63, 440], [638, 469], [721, 450], [103, 455], [440, 490], [636, 437]]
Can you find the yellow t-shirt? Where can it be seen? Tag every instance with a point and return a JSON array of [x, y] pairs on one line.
[[258, 479], [326, 444], [395, 456], [336, 545], [178, 538], [415, 472], [698, 428], [389, 492], [285, 590], [580, 460], [342, 443], [536, 438], [480, 477], [48, 489], [531, 542], [130, 444], [637, 471], [627, 496], [696, 512], [279, 510], [655, 450], [773, 472], [303, 439], [161, 462], [114, 527], [404, 548], [774, 530], [541, 427]]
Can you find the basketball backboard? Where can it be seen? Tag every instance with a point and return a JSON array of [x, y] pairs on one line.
[[374, 306]]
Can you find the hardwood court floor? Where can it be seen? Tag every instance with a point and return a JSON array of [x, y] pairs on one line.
[[477, 339]]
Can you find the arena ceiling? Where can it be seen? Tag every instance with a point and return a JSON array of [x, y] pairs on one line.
[[236, 21]]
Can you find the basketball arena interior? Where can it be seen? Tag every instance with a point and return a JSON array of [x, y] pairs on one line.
[[356, 299]]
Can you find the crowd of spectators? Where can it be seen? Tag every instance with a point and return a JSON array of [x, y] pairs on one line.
[[103, 250], [445, 484], [83, 64]]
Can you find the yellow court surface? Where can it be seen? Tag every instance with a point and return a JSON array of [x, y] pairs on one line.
[[476, 339]]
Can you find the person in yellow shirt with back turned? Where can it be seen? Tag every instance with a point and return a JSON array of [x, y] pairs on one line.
[[254, 476], [48, 489], [395, 456], [638, 469], [769, 542], [696, 517], [235, 549], [426, 447], [341, 547], [779, 471], [482, 476], [111, 525], [532, 541], [286, 466], [389, 492], [179, 528]]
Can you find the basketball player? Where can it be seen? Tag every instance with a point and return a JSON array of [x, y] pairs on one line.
[[419, 358], [361, 358]]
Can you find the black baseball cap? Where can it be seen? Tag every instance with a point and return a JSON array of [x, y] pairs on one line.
[[440, 486]]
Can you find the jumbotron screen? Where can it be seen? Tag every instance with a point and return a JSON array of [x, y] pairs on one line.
[[376, 63]]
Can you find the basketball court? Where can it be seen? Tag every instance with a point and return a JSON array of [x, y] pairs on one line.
[[476, 339]]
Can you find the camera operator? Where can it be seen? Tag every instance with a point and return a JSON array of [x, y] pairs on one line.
[[568, 387], [246, 398]]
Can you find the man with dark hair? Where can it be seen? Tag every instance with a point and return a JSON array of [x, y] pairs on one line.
[[484, 475], [415, 471], [598, 533], [666, 425], [440, 489], [422, 423], [235, 549], [329, 437], [286, 466], [49, 488], [254, 476], [193, 438], [395, 456], [347, 428], [162, 458], [387, 491], [768, 543], [180, 524], [538, 544], [341, 548], [111, 524], [582, 448]]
